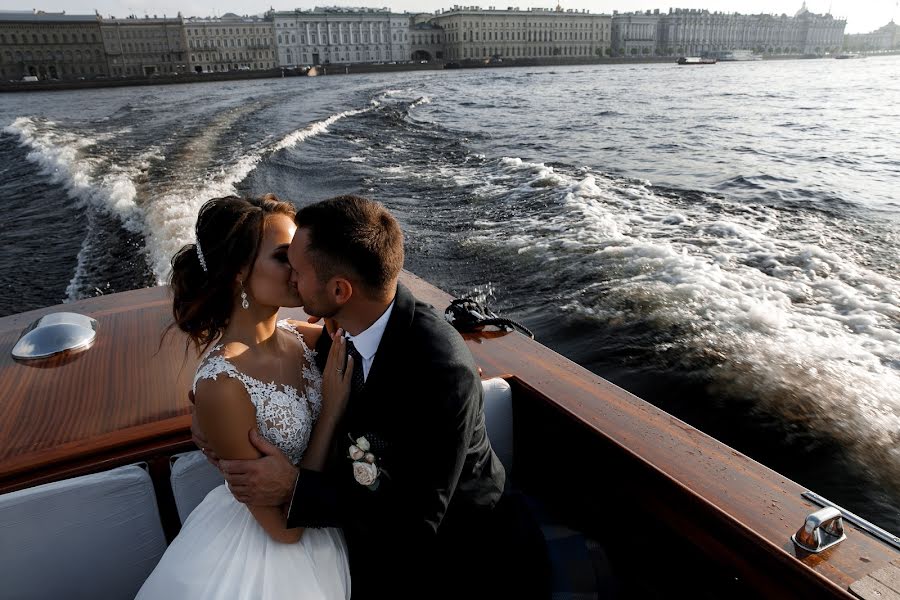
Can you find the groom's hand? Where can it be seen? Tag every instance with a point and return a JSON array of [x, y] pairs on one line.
[[265, 481]]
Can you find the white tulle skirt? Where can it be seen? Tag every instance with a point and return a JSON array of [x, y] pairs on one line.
[[223, 553]]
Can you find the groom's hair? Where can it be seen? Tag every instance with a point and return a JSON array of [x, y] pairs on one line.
[[356, 237]]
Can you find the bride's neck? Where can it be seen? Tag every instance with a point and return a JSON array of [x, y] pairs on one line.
[[253, 327]]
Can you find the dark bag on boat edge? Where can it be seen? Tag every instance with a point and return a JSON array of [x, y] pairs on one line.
[[467, 315]]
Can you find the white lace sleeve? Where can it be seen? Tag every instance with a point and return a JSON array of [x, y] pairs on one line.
[[311, 372]]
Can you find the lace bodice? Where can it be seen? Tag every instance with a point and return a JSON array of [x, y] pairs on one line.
[[285, 416]]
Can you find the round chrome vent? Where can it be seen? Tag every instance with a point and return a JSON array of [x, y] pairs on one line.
[[55, 334]]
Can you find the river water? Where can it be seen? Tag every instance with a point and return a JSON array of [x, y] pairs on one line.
[[720, 240]]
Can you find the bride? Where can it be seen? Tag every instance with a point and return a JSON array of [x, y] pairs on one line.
[[255, 373]]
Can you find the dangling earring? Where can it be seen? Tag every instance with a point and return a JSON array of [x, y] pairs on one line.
[[245, 304]]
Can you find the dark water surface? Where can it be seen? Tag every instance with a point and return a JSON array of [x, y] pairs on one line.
[[722, 241]]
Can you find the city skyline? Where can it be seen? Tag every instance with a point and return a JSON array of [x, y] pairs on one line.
[[861, 17]]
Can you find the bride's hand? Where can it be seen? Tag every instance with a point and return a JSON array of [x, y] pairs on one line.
[[336, 378]]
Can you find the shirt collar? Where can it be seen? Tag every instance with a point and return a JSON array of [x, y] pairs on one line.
[[367, 341]]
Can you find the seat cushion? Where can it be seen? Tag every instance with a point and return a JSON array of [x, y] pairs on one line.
[[95, 536], [498, 419], [192, 478]]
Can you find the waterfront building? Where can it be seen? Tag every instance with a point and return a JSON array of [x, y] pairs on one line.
[[475, 34], [426, 41], [230, 43], [340, 35], [145, 46], [881, 40], [634, 34], [700, 32], [50, 46]]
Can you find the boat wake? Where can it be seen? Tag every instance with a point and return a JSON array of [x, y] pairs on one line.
[[768, 305], [106, 179]]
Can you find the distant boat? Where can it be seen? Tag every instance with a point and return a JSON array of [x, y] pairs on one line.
[[846, 55], [696, 60], [739, 55]]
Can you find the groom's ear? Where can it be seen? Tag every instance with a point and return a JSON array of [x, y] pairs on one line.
[[340, 289]]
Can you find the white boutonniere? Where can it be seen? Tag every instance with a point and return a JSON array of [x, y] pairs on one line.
[[365, 471]]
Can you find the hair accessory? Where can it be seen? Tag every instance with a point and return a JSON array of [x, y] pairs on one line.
[[245, 304], [200, 254]]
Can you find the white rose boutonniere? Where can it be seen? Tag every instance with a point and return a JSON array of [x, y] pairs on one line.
[[365, 471], [356, 452]]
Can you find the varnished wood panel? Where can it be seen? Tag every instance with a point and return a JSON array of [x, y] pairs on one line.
[[883, 584]]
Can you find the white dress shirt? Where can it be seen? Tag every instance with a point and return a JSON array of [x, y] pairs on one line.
[[366, 342]]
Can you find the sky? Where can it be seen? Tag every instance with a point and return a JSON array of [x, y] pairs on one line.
[[862, 15]]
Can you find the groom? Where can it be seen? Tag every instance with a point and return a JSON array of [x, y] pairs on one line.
[[422, 506]]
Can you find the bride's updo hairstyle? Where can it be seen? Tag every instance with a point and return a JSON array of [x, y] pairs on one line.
[[229, 233]]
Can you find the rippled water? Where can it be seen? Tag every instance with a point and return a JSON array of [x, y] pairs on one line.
[[722, 241]]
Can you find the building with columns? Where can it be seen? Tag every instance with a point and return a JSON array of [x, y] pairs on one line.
[[145, 46], [634, 34], [230, 43], [340, 35], [696, 32], [881, 40], [475, 34], [50, 46]]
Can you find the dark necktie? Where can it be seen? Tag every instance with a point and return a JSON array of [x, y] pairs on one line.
[[358, 380]]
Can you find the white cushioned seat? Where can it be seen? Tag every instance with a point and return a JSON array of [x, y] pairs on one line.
[[498, 419], [192, 478], [95, 536]]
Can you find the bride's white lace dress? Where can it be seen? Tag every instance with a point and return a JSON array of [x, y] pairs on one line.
[[222, 552]]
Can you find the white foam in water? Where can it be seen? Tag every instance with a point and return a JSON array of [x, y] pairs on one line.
[[87, 179], [807, 332], [314, 129], [93, 181], [167, 220], [171, 218]]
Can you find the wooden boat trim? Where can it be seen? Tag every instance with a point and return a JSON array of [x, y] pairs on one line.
[[123, 419]]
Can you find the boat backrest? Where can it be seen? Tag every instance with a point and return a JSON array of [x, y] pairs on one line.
[[192, 478], [94, 536], [499, 419]]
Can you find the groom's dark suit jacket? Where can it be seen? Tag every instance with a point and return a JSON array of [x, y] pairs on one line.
[[431, 519]]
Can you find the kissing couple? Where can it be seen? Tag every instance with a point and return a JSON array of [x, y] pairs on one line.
[[354, 454]]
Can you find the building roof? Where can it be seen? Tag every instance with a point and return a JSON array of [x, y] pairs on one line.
[[42, 17]]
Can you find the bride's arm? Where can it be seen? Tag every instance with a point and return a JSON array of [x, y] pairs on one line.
[[226, 415]]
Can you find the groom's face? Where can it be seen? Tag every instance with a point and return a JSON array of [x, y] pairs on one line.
[[314, 296]]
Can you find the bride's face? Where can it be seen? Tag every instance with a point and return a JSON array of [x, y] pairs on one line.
[[270, 282]]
